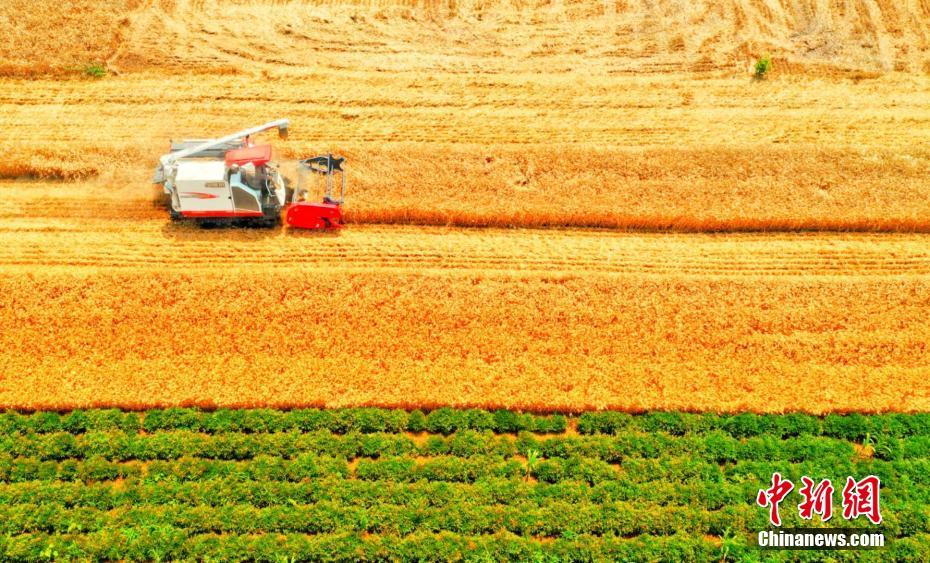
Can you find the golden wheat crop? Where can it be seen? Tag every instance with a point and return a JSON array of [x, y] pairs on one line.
[[142, 313], [634, 163], [615, 115], [336, 338]]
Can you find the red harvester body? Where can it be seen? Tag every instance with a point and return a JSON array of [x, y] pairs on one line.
[[305, 214], [310, 215]]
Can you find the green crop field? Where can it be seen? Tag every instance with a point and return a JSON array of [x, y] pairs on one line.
[[449, 484]]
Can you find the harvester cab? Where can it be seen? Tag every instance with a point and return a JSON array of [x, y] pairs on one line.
[[231, 179]]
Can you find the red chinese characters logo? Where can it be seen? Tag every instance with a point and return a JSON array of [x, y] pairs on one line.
[[773, 496], [817, 500], [860, 498]]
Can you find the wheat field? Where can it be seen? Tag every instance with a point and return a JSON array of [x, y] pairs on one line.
[[142, 313], [658, 230], [591, 114]]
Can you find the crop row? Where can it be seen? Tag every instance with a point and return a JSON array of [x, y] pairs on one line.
[[333, 488], [165, 542], [895, 475], [898, 477], [305, 466], [552, 519], [717, 446], [236, 490], [441, 421], [853, 427]]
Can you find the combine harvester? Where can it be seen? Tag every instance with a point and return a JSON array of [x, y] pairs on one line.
[[231, 181]]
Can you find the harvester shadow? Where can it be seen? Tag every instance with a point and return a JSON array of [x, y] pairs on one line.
[[312, 233], [193, 231]]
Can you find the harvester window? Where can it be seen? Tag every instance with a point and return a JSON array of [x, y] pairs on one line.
[[250, 176]]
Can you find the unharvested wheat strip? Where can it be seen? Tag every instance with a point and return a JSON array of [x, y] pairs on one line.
[[150, 336], [432, 316]]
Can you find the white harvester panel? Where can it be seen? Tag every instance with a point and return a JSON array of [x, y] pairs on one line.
[[202, 188]]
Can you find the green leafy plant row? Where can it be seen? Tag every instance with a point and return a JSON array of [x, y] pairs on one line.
[[174, 485], [166, 445], [165, 542], [898, 475], [714, 447], [556, 519], [441, 421], [851, 427], [305, 466], [236, 490]]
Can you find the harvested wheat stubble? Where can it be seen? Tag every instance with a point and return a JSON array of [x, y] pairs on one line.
[[644, 156], [635, 36], [502, 114], [499, 124]]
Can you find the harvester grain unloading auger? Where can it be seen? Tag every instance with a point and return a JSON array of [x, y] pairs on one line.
[[232, 180]]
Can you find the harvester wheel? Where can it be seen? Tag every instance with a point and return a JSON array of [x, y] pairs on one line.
[[272, 222], [175, 216]]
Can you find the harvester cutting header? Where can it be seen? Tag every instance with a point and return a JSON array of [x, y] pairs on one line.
[[232, 180]]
